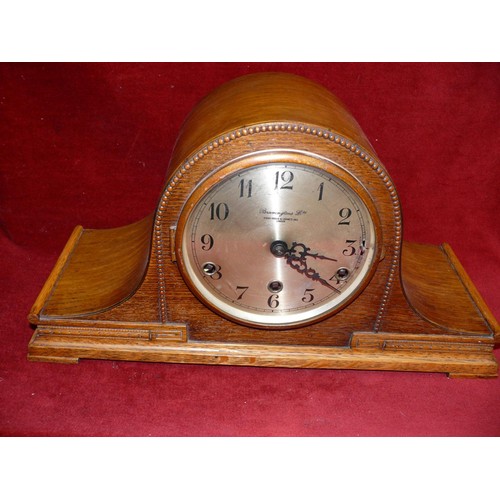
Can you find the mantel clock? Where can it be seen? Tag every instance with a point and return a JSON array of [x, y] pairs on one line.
[[276, 241]]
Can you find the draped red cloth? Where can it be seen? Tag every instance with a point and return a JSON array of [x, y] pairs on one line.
[[89, 144]]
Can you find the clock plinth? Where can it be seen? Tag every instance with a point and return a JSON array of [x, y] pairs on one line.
[[202, 280]]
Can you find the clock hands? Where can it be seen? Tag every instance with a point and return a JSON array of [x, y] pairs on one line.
[[305, 252], [296, 256]]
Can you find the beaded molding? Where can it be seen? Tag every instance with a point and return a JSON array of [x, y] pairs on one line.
[[278, 127]]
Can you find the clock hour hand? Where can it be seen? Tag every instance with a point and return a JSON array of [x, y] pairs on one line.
[[306, 253], [280, 248]]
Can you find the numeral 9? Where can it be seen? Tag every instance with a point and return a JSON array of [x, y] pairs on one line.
[[207, 242]]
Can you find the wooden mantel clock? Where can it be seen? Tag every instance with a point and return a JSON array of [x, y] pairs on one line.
[[277, 241]]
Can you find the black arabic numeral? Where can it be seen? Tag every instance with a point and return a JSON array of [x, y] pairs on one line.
[[273, 301], [320, 189], [350, 250], [245, 188], [207, 241], [286, 177], [308, 296], [335, 277], [220, 211], [243, 289], [345, 213], [217, 275]]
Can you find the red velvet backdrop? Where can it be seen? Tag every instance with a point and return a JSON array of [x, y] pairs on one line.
[[78, 139]]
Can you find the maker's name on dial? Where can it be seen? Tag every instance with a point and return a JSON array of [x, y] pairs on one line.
[[281, 215]]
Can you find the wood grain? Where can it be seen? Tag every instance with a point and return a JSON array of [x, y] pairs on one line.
[[264, 98], [434, 288], [105, 267]]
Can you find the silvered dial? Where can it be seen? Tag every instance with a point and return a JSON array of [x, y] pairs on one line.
[[278, 244]]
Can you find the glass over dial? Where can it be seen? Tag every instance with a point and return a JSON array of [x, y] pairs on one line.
[[277, 244]]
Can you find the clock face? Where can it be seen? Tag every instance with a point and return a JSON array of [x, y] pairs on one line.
[[277, 244]]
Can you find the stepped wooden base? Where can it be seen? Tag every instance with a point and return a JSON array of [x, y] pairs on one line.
[[469, 358]]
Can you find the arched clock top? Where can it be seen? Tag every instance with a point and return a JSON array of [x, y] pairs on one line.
[[245, 104]]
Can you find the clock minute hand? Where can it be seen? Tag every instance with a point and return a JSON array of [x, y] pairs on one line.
[[312, 274]]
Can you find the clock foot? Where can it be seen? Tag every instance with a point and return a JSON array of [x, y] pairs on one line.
[[54, 359], [471, 375]]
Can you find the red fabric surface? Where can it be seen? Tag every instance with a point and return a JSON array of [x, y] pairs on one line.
[[89, 144]]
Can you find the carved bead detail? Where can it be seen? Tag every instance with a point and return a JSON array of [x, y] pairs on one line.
[[355, 148]]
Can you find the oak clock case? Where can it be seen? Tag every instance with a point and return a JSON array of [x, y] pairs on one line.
[[277, 241]]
